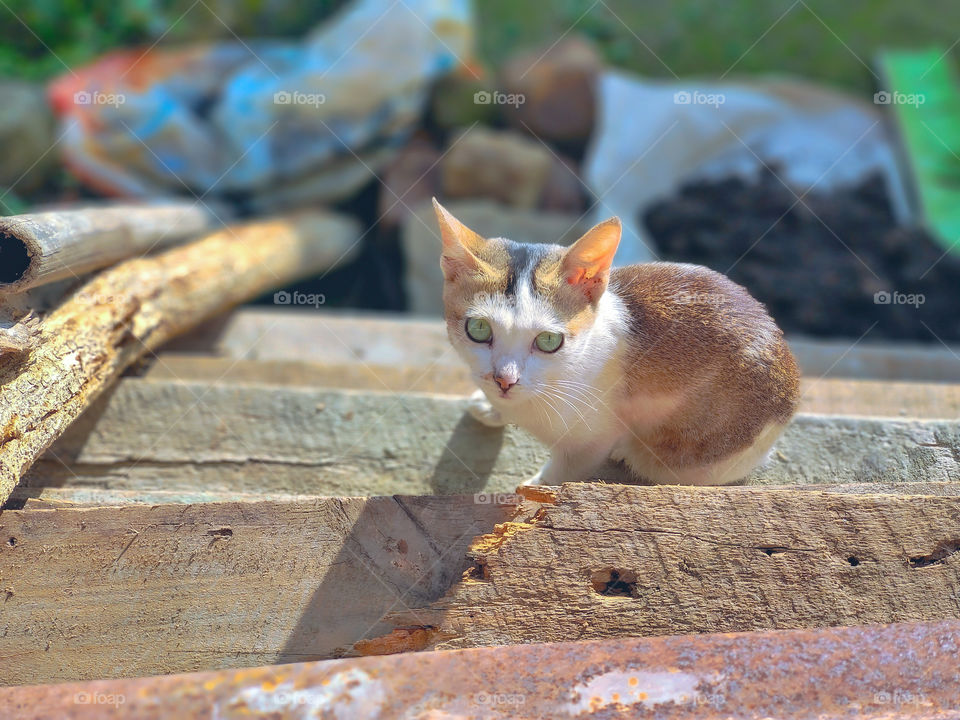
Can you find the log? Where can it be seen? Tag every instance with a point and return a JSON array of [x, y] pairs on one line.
[[827, 396], [133, 308], [905, 671], [589, 561], [249, 438], [43, 247], [139, 590], [389, 340]]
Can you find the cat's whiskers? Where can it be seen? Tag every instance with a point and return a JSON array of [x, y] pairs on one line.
[[545, 398], [582, 388], [570, 399]]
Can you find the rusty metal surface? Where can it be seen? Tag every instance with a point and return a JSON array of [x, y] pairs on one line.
[[892, 671]]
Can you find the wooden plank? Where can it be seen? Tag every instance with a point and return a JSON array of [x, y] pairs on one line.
[[186, 436], [827, 396], [328, 337], [906, 671], [848, 358], [439, 378], [25, 498], [132, 308], [880, 398], [67, 497], [604, 561], [137, 590]]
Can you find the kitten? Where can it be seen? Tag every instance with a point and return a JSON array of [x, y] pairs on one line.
[[670, 370]]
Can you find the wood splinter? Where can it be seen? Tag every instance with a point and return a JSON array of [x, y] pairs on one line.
[[21, 336]]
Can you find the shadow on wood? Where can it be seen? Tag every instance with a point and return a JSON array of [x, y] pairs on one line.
[[472, 439]]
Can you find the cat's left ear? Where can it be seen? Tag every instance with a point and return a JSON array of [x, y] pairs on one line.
[[586, 264], [460, 246]]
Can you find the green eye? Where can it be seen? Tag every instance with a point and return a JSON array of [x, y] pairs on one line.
[[549, 342], [479, 330]]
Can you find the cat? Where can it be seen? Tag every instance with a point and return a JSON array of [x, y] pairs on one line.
[[667, 373]]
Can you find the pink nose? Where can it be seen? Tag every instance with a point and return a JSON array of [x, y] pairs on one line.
[[504, 381]]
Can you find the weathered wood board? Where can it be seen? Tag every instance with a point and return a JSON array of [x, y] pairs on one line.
[[328, 337], [828, 396], [139, 590], [67, 497], [170, 435], [595, 561]]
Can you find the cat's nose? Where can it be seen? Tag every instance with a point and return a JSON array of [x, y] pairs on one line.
[[505, 381]]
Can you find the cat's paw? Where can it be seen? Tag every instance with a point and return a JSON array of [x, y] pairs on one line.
[[482, 411]]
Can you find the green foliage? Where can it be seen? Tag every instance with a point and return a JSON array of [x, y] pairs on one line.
[[822, 40], [43, 38]]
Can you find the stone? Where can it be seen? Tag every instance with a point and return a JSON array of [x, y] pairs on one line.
[[421, 241], [498, 165], [558, 90]]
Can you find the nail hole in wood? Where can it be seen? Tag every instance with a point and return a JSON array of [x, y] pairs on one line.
[[614, 583]]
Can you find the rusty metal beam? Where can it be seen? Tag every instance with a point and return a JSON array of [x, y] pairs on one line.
[[883, 671]]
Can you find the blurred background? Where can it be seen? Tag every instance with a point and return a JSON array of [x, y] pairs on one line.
[[808, 149]]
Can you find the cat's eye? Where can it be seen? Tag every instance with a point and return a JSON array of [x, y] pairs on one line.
[[479, 330], [549, 342]]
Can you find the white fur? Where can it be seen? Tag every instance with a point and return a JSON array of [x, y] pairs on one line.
[[572, 400], [565, 399]]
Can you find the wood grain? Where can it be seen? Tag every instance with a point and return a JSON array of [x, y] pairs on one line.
[[613, 561], [139, 590], [171, 435], [70, 242], [827, 396], [73, 497], [398, 340]]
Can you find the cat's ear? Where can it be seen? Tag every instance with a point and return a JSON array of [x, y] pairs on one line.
[[460, 245], [586, 263]]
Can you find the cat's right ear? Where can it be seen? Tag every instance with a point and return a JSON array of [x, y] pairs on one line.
[[460, 246]]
